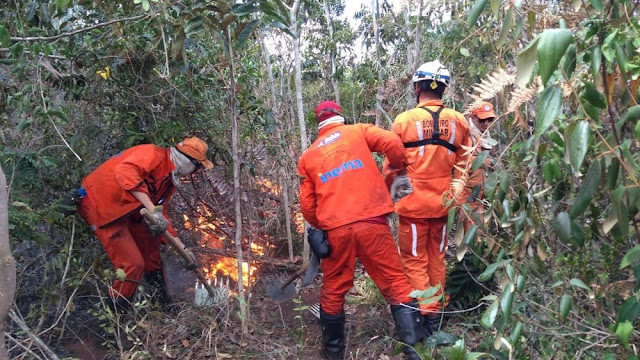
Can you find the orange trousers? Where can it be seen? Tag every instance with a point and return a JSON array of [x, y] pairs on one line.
[[422, 245], [373, 244], [130, 247]]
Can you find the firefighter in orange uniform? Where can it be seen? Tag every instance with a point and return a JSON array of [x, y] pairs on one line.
[[141, 176], [343, 193], [433, 136], [481, 116]]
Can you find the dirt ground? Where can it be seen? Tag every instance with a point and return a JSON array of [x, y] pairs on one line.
[[275, 331]]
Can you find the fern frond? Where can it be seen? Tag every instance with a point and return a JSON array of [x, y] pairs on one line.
[[488, 88], [520, 96]]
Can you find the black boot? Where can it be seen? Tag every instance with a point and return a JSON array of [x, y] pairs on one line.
[[332, 335], [409, 327], [431, 324]]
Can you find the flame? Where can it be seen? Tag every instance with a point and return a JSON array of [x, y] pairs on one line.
[[213, 237]]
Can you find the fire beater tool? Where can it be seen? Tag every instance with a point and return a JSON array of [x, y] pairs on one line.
[[280, 291], [173, 242]]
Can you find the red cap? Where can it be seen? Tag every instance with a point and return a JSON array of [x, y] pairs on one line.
[[484, 111], [327, 109]]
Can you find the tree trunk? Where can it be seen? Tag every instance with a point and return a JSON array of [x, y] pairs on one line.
[[334, 50], [304, 142], [236, 183], [376, 30], [284, 181], [7, 263]]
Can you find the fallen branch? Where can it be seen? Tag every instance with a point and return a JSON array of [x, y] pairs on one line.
[[23, 326]]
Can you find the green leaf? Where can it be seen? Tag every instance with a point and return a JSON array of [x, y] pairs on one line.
[[629, 310], [587, 189], [562, 226], [440, 338], [578, 135], [596, 59], [464, 51], [570, 61], [62, 4], [630, 257], [506, 301], [479, 160], [551, 48], [489, 316], [592, 111], [526, 62], [516, 333], [632, 115], [613, 171], [549, 107], [495, 6], [597, 4], [475, 12], [488, 272], [579, 283], [520, 282], [470, 235], [243, 9], [623, 332], [594, 96], [246, 32], [637, 130], [5, 38], [146, 5], [565, 306], [506, 25]]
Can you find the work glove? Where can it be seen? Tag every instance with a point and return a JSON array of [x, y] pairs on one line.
[[400, 187], [319, 242], [190, 265], [161, 223]]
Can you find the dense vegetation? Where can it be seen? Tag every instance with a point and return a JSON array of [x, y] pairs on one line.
[[554, 274]]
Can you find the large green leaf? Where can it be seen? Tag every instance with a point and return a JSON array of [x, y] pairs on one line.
[[578, 135], [551, 47], [570, 61], [596, 59], [630, 257], [587, 189], [506, 301], [488, 272], [562, 226], [479, 160], [630, 310], [593, 96], [506, 26], [565, 306], [623, 332], [247, 30], [525, 63], [475, 12], [549, 107], [489, 316]]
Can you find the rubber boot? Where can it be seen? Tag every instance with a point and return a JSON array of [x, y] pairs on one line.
[[332, 335], [431, 324], [409, 327]]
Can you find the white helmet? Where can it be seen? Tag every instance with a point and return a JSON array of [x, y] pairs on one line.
[[432, 70]]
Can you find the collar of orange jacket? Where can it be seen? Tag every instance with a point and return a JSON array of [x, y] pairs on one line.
[[430, 103], [328, 127]]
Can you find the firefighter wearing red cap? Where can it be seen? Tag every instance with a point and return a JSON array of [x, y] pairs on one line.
[[434, 138], [141, 176], [343, 193], [481, 117]]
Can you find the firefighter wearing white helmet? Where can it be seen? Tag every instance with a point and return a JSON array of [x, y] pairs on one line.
[[433, 137]]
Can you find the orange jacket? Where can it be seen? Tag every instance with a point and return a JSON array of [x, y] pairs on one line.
[[146, 168], [430, 167], [340, 181]]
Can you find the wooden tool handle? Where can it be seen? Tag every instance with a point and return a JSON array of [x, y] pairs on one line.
[[295, 275], [173, 242]]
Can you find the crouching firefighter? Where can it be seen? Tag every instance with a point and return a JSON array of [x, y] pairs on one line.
[[435, 138], [141, 176], [342, 192]]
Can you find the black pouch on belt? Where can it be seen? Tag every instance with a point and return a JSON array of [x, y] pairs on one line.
[[319, 242]]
